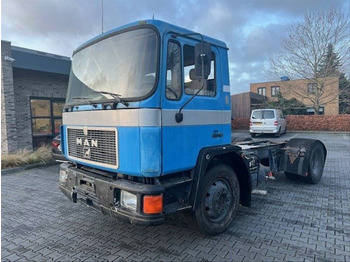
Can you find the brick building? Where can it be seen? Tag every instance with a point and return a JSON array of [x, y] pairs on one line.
[[33, 90], [301, 89]]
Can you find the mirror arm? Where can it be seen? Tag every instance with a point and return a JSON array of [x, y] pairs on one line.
[[179, 115]]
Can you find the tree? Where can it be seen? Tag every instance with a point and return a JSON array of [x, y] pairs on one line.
[[344, 95], [329, 67], [330, 63], [289, 107], [304, 56]]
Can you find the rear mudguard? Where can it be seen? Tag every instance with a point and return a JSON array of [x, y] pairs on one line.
[[296, 155]]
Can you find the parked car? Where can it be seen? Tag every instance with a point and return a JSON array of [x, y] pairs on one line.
[[56, 150], [267, 121]]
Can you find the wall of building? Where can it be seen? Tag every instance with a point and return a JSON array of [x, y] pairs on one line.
[[30, 83], [8, 113], [289, 89], [240, 105]]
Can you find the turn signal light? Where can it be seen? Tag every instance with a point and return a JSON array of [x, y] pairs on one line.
[[153, 204]]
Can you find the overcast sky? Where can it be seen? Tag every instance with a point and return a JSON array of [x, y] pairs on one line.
[[252, 29]]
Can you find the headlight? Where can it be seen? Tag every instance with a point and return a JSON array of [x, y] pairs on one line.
[[128, 200], [63, 176]]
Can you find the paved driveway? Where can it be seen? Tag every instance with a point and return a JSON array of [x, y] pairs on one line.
[[294, 222]]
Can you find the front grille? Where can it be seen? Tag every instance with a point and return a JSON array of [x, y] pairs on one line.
[[98, 146]]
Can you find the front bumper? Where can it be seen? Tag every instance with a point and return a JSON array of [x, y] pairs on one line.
[[103, 194]]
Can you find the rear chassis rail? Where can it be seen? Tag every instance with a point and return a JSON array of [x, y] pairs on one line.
[[293, 156], [269, 153]]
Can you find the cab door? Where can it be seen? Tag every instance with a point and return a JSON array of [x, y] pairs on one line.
[[202, 123]]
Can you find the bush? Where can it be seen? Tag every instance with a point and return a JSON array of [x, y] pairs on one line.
[[25, 157]]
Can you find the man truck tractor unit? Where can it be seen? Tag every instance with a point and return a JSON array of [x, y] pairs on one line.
[[147, 131]]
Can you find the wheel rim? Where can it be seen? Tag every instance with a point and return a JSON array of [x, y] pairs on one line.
[[218, 199]]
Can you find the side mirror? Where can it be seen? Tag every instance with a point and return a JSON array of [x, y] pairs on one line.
[[202, 52]]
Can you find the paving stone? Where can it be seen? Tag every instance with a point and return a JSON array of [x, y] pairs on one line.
[[294, 222], [14, 257]]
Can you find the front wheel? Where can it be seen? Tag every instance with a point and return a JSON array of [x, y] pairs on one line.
[[218, 197]]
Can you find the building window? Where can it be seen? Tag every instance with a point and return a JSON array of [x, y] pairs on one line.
[[275, 90], [311, 110], [46, 116], [173, 72], [311, 88], [262, 91], [194, 83]]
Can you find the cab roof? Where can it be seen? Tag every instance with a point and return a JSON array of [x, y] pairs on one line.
[[163, 28]]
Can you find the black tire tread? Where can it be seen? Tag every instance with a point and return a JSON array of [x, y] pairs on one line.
[[191, 217], [309, 179], [291, 176]]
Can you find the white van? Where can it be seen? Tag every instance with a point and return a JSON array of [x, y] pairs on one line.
[[267, 121]]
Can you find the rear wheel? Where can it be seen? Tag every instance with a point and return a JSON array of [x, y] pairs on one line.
[[317, 161], [218, 197], [291, 176]]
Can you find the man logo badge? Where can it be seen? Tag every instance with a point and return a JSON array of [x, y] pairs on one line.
[[87, 152], [87, 142]]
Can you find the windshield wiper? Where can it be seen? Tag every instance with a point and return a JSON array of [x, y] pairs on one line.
[[114, 95], [85, 99]]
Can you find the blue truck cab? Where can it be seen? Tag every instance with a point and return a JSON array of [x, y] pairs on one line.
[[146, 128]]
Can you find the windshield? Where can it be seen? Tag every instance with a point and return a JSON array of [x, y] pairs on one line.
[[124, 64]]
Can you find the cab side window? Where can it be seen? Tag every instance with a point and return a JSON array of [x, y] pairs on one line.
[[193, 83], [173, 72]]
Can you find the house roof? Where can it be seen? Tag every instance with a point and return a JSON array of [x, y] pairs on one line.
[[40, 61]]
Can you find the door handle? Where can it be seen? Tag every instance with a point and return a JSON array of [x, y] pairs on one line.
[[217, 134]]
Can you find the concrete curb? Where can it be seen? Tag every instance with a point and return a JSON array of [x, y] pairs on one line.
[[11, 170]]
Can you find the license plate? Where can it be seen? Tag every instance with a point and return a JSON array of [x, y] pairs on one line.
[[87, 184], [257, 123]]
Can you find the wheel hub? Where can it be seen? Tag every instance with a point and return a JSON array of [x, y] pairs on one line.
[[218, 200]]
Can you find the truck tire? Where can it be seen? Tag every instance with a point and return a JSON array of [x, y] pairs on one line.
[[218, 197], [317, 161], [291, 176]]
